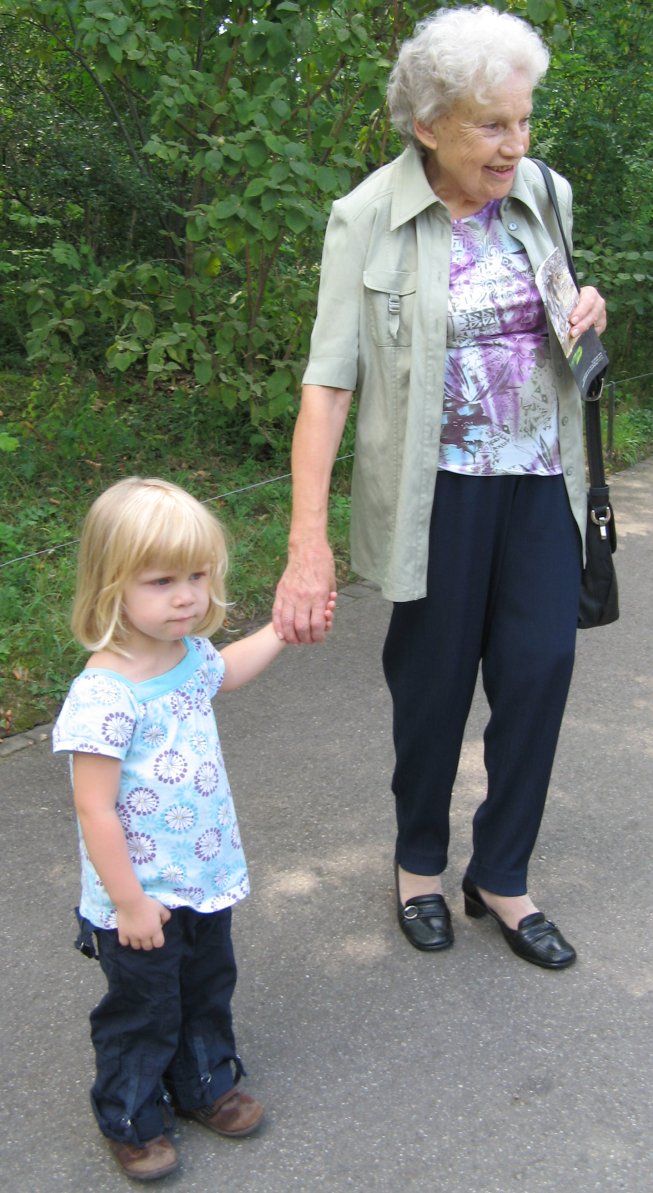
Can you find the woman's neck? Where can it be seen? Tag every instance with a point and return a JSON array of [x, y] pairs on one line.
[[459, 205]]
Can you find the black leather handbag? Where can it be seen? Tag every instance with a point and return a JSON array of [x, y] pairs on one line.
[[599, 594]]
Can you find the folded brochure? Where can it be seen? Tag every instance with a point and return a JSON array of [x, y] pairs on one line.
[[585, 353]]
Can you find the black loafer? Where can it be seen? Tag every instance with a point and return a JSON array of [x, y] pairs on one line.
[[425, 920], [536, 939]]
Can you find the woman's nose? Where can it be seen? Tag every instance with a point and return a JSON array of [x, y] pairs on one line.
[[515, 142]]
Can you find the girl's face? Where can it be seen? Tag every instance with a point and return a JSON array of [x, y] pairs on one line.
[[163, 605]]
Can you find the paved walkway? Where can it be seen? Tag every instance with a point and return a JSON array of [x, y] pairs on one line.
[[382, 1069]]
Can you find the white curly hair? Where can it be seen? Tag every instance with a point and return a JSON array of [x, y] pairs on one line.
[[455, 53]]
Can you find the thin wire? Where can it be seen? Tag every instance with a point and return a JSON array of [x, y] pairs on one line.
[[625, 380], [246, 489], [273, 480]]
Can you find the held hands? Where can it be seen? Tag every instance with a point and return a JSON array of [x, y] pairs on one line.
[[140, 925], [588, 312], [306, 596]]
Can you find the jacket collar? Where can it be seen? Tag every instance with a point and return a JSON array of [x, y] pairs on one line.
[[412, 192], [523, 191]]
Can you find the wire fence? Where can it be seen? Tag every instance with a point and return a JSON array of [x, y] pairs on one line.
[[272, 480], [610, 391]]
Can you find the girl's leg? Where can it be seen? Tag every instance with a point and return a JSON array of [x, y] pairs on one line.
[[205, 1064], [527, 665], [135, 1032]]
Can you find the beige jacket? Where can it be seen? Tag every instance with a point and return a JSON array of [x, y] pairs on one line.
[[381, 330]]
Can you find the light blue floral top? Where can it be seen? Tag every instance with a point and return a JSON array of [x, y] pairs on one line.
[[174, 802]]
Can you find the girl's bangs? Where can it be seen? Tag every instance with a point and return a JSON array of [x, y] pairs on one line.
[[182, 541]]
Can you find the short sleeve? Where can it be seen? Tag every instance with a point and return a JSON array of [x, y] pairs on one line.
[[334, 352], [212, 663], [98, 717]]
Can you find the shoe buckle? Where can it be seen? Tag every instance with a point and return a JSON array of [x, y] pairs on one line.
[[411, 912]]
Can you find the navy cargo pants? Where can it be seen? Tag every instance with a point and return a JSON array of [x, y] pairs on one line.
[[163, 1033]]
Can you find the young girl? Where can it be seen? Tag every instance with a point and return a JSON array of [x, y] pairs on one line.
[[162, 862]]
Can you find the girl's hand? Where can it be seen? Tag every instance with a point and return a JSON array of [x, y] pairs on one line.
[[140, 925], [329, 611], [588, 312]]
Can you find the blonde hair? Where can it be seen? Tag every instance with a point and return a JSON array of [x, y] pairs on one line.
[[455, 53], [131, 526]]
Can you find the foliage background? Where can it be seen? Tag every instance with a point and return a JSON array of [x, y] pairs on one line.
[[167, 167]]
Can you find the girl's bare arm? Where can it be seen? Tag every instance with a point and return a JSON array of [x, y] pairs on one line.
[[96, 780]]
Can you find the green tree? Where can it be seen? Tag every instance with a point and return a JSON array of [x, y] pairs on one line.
[[168, 166], [230, 129], [595, 125]]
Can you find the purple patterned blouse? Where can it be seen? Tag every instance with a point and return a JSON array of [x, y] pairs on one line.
[[500, 406]]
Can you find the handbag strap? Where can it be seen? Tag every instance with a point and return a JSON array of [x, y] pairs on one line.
[[592, 413]]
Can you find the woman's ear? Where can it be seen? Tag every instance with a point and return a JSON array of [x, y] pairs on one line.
[[425, 136]]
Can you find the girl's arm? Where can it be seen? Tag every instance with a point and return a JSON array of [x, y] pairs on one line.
[[96, 780], [243, 660]]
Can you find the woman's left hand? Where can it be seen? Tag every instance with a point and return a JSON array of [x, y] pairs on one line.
[[588, 312]]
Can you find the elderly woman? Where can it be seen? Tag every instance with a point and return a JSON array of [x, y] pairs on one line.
[[469, 496]]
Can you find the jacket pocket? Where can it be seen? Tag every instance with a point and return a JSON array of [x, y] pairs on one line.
[[390, 305]]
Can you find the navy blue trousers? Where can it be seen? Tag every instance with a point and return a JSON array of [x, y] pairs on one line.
[[163, 1033], [503, 591]]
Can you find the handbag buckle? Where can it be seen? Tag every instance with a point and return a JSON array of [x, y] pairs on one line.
[[600, 517]]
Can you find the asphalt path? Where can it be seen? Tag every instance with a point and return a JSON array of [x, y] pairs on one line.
[[381, 1068]]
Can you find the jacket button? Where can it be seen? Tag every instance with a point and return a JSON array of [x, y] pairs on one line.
[[570, 471], [512, 226]]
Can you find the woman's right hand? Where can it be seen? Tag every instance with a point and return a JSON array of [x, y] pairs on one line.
[[140, 924], [304, 594]]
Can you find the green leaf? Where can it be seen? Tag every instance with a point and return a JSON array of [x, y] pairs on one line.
[[539, 11], [183, 301], [196, 227], [225, 209], [144, 322], [203, 370], [7, 442], [256, 187], [65, 254], [255, 154], [280, 382], [74, 327], [119, 25], [297, 220], [368, 69], [269, 228]]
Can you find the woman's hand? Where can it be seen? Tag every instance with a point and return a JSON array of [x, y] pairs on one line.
[[140, 924], [305, 600], [588, 312], [303, 608]]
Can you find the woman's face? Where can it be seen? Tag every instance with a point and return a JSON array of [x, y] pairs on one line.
[[473, 151]]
